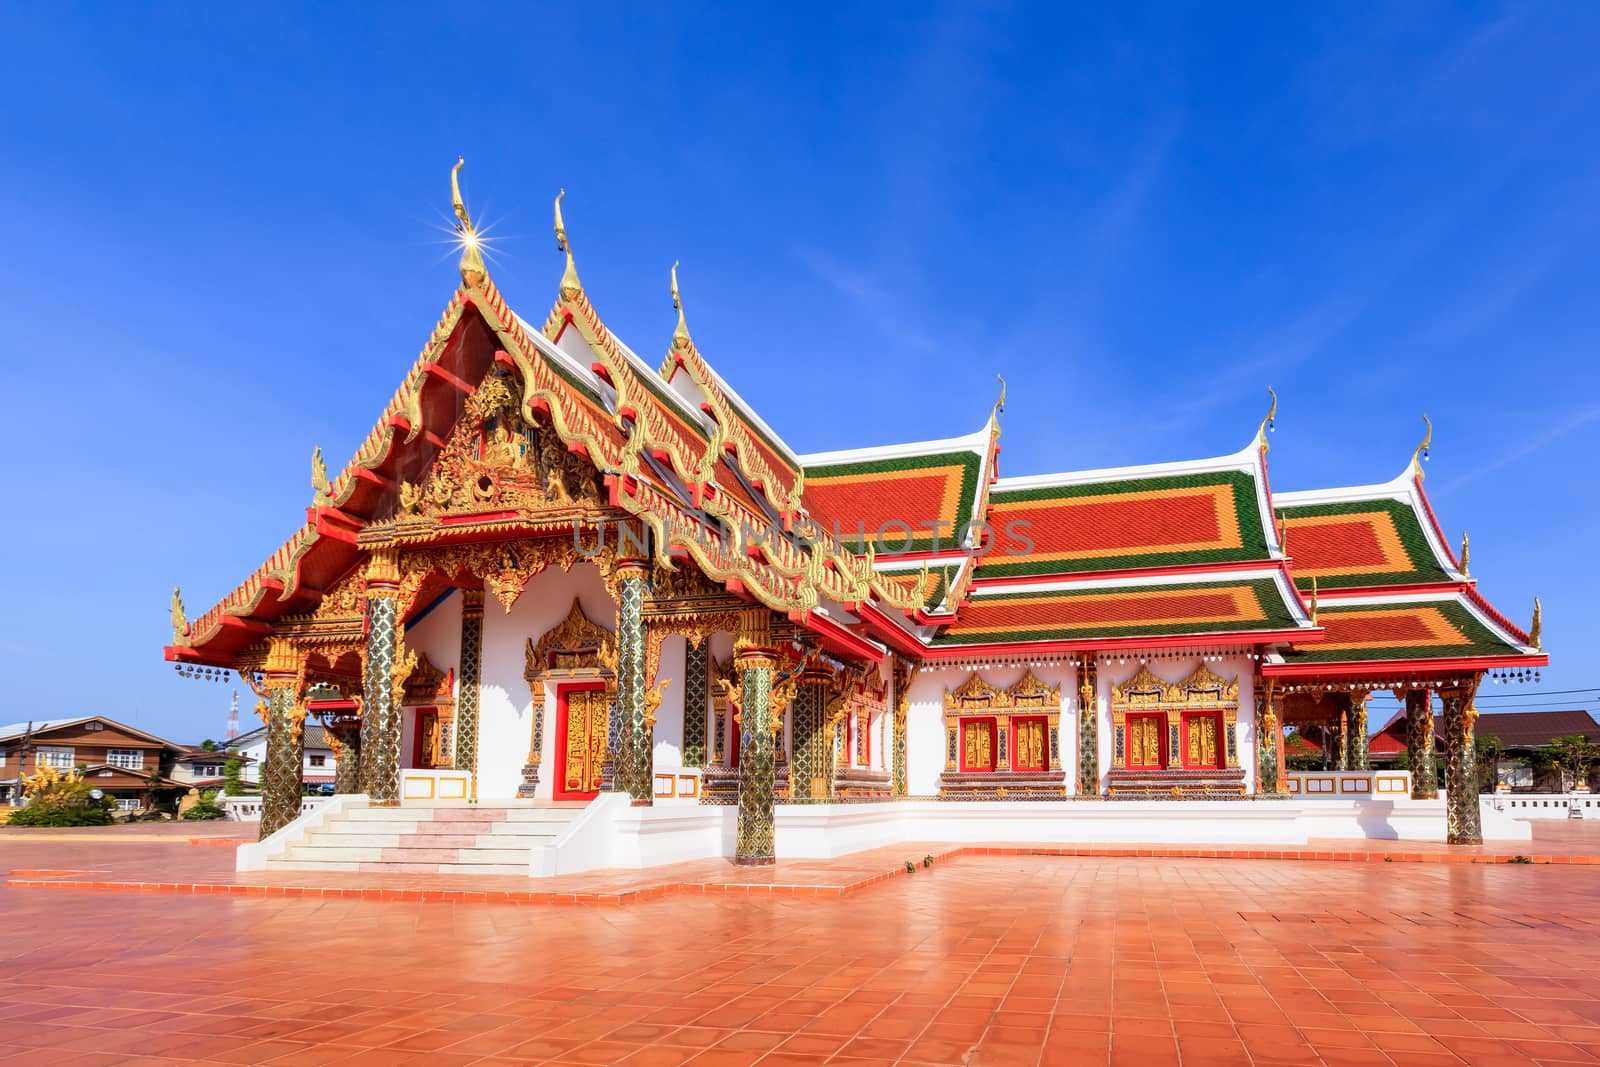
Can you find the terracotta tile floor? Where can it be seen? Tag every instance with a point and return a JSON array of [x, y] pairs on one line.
[[980, 960]]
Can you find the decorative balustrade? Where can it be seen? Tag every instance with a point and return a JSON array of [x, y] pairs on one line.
[[248, 809], [1349, 785]]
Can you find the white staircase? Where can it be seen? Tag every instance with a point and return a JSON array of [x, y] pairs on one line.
[[496, 838]]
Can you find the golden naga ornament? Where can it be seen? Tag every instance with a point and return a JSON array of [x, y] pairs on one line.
[[1536, 631], [1268, 424], [1420, 456], [319, 479], [1466, 553], [570, 286], [180, 620], [471, 265]]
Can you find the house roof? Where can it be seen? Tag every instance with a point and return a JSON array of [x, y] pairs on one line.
[[1515, 729], [18, 729]]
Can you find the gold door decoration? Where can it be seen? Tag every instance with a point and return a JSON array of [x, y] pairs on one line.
[[1202, 698], [1035, 703], [1144, 742], [586, 740], [979, 754], [577, 650]]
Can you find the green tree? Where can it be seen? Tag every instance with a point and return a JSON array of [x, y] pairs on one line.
[[1573, 754], [208, 745], [1489, 752], [232, 784]]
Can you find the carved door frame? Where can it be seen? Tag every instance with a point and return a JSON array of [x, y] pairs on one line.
[[558, 784]]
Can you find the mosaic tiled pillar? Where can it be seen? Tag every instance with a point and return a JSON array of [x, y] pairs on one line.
[[696, 682], [1344, 740], [635, 770], [1464, 821], [1268, 743], [380, 717], [753, 839], [282, 781], [469, 688], [347, 771], [1360, 758], [1419, 744], [903, 673], [1088, 728], [807, 780]]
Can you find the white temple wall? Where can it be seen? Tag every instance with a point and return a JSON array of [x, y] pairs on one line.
[[925, 737], [1239, 668], [505, 713], [668, 755], [436, 636]]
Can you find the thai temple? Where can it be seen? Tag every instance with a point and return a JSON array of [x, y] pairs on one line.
[[600, 601]]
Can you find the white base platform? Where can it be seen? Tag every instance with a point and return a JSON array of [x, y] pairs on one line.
[[612, 833]]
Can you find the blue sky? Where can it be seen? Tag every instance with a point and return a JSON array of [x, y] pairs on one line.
[[226, 249]]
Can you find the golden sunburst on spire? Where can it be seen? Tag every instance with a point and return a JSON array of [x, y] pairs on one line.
[[680, 335], [1420, 456], [1270, 423], [570, 286], [471, 265]]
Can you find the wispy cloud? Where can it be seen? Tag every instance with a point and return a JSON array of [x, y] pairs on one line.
[[875, 302], [1526, 449]]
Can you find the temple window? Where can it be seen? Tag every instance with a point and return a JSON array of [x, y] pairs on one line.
[[1175, 738], [1144, 741], [1202, 732], [977, 744], [1032, 751], [1003, 743]]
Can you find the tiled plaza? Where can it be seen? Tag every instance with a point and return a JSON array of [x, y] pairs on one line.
[[980, 959]]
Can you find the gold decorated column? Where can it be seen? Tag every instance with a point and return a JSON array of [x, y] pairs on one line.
[[755, 657], [1419, 744], [282, 774]]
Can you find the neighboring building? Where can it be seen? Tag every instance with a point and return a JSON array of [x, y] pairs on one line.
[[131, 765], [1520, 733], [318, 759], [562, 570], [208, 770]]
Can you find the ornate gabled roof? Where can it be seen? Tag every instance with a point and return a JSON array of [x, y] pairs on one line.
[[903, 491], [1133, 518], [1241, 603], [1367, 536], [1439, 629]]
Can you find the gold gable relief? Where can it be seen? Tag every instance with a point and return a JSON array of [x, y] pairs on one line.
[[575, 645], [972, 695], [1027, 694], [429, 685], [1202, 689], [495, 459]]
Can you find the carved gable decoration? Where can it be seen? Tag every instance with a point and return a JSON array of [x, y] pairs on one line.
[[1204, 688], [974, 694], [1142, 690], [1030, 692], [429, 685], [495, 460], [575, 645]]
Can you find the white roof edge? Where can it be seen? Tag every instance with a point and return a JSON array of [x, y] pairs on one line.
[[1245, 459], [1132, 581], [972, 442]]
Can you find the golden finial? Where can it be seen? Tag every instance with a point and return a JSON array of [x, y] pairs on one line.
[[1420, 456], [180, 621], [1536, 631], [999, 405], [680, 336], [471, 265], [1465, 552], [570, 286], [1269, 423], [1313, 600], [319, 479]]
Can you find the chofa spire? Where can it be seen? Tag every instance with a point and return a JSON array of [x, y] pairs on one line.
[[680, 335], [999, 406], [1270, 423], [471, 265], [570, 286], [1420, 456]]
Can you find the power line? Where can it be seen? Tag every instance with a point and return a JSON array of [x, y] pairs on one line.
[[1546, 704], [1540, 693]]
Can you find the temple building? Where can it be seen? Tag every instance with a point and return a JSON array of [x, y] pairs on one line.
[[557, 577]]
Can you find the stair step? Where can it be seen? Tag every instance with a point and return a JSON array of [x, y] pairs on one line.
[[520, 869]]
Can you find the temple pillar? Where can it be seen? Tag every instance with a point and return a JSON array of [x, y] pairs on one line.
[[1464, 820], [1344, 739], [282, 773], [1360, 759], [1419, 744], [469, 684], [696, 684], [755, 657], [1088, 727], [380, 713], [635, 749], [903, 673], [807, 769], [347, 755], [1271, 770]]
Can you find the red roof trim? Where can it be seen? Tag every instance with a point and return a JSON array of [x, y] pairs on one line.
[[1403, 666], [1255, 637], [978, 581]]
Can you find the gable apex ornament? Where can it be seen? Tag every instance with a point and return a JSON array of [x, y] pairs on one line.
[[1536, 631], [1268, 424], [680, 335], [319, 479], [471, 264], [999, 406], [570, 286], [180, 620], [1420, 456]]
